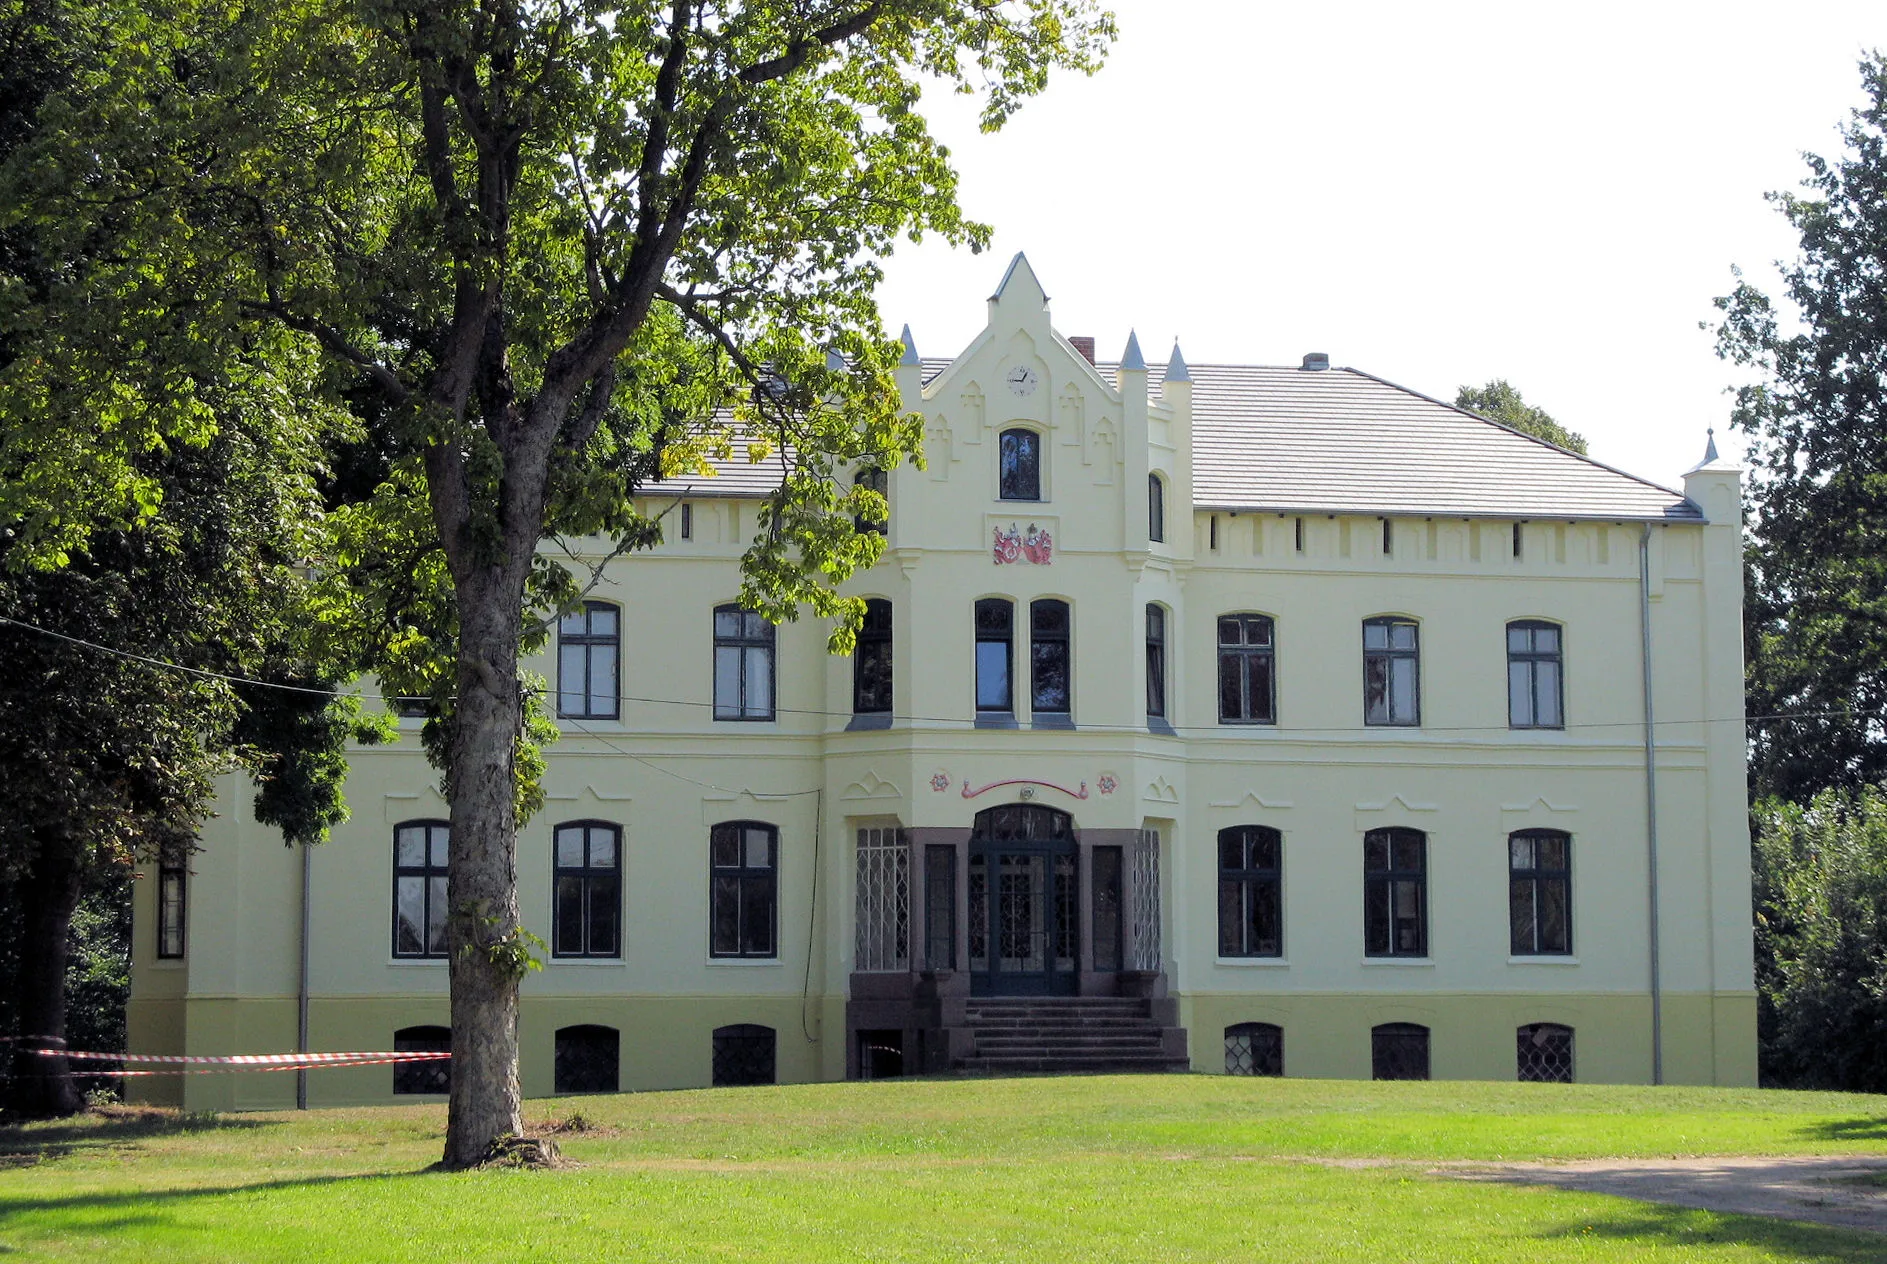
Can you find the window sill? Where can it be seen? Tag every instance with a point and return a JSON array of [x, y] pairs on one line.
[[1051, 720], [618, 962], [167, 963], [410, 962], [1160, 728], [1260, 963], [868, 721], [995, 720], [1558, 959], [745, 961], [1398, 962]]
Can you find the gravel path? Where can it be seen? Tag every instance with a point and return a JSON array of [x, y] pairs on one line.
[[1849, 1192]]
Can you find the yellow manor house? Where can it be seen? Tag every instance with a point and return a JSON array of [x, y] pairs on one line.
[[1258, 720]]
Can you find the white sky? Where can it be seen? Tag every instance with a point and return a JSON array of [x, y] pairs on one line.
[[1437, 193]]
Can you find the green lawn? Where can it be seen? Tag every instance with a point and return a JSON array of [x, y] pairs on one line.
[[1169, 1168]]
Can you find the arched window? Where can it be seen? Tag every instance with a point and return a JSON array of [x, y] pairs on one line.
[[172, 889], [1051, 664], [419, 888], [1156, 662], [1251, 892], [1398, 1051], [588, 1059], [743, 665], [1247, 670], [586, 911], [1254, 1049], [1535, 684], [1020, 465], [434, 1075], [1395, 893], [1156, 508], [1543, 1053], [743, 1054], [995, 635], [871, 661], [589, 642], [874, 480], [1539, 892], [744, 877], [1391, 672]]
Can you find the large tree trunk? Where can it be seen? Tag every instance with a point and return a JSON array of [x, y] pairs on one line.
[[485, 1101], [41, 1087]]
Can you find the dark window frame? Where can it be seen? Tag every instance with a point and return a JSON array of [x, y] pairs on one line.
[[1398, 1047], [1244, 656], [1545, 1053], [433, 1077], [990, 635], [1532, 659], [873, 649], [745, 641], [1156, 509], [426, 872], [687, 520], [1051, 648], [1156, 661], [1020, 477], [1382, 886], [589, 642], [1389, 655], [588, 876], [1254, 1049], [1529, 883], [572, 1062], [745, 1054], [873, 479], [1252, 885], [940, 906], [172, 933], [745, 879]]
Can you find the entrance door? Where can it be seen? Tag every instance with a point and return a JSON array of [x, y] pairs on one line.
[[1024, 903]]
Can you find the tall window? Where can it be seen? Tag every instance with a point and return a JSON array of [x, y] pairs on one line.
[[172, 879], [1539, 892], [744, 1054], [1020, 475], [1395, 893], [1391, 692], [588, 641], [434, 1075], [588, 1060], [871, 661], [1534, 688], [1254, 1049], [1398, 1051], [1108, 909], [1050, 670], [1156, 662], [419, 889], [1251, 906], [940, 906], [587, 910], [744, 875], [1156, 508], [874, 480], [743, 665], [995, 630], [1543, 1054], [1247, 670]]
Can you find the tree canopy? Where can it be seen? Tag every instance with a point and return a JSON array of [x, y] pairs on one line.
[[1499, 401], [1816, 414], [532, 255]]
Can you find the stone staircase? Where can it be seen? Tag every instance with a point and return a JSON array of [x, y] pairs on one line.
[[1012, 1035]]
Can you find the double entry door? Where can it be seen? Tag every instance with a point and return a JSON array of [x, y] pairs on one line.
[[1024, 903]]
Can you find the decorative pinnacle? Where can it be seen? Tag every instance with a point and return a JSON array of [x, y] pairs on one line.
[[1176, 370], [910, 350], [1710, 444], [1131, 361]]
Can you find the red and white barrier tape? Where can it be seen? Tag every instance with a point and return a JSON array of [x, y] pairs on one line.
[[180, 1064]]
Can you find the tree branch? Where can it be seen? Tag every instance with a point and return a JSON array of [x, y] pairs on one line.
[[337, 344]]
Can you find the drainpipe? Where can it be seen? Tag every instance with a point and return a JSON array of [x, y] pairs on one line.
[[301, 996], [1651, 805]]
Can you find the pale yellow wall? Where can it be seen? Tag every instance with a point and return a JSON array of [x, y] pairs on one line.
[[666, 770]]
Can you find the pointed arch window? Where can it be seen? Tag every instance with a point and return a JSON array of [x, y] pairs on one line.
[[1020, 465], [871, 661], [1156, 509]]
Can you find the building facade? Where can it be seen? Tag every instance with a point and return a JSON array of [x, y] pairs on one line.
[[1340, 732]]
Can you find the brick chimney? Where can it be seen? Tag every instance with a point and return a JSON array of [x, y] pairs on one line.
[[1085, 346]]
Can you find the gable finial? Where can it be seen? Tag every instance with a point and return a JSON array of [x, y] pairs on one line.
[[1710, 444], [1176, 370], [910, 349], [1131, 360]]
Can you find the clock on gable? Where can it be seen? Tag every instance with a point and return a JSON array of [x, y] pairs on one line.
[[1022, 379]]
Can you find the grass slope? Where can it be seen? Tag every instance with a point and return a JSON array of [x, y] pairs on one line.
[[1170, 1168]]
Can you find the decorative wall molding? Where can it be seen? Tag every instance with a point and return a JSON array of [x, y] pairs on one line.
[[1539, 801], [1252, 796], [870, 786], [1397, 799], [970, 793], [1160, 790]]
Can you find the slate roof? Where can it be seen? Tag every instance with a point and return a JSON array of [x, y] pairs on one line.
[[1285, 439]]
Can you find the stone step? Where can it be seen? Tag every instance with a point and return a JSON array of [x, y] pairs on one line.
[[1000, 1044], [1066, 1064]]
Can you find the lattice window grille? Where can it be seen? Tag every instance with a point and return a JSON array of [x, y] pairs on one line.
[[1544, 1053], [1254, 1049], [883, 902], [1145, 899], [587, 1060], [1399, 1051], [743, 1054]]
